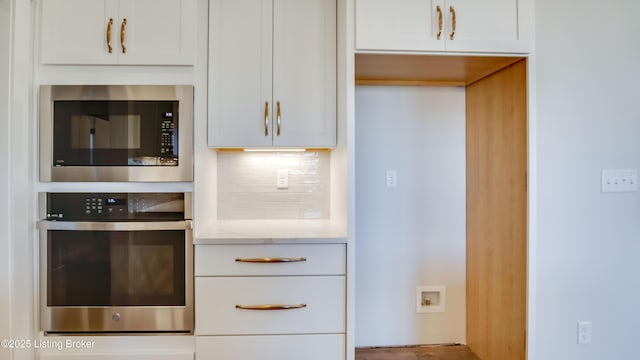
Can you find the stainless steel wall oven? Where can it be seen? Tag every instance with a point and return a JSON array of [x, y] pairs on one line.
[[116, 133], [116, 262]]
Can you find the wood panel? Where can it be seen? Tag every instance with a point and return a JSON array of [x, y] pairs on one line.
[[421, 70], [497, 214]]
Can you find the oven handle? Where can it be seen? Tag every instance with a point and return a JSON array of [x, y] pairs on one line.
[[115, 226]]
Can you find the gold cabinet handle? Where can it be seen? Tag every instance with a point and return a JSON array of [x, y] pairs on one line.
[[266, 120], [439, 10], [123, 29], [278, 118], [453, 22], [109, 26], [268, 260], [270, 307]]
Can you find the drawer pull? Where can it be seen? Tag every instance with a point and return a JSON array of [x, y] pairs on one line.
[[109, 26], [123, 29], [266, 118], [278, 116], [439, 10], [453, 22], [270, 307], [268, 260]]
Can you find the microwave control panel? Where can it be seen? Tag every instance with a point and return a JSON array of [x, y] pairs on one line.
[[167, 141]]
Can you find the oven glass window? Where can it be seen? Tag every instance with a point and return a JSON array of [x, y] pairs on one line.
[[116, 268], [115, 133]]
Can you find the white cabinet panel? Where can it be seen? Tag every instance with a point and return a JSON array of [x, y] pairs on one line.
[[158, 32], [240, 73], [272, 74], [304, 73], [502, 26], [274, 347], [116, 356], [75, 31], [221, 260], [483, 25], [104, 32], [398, 24], [217, 300]]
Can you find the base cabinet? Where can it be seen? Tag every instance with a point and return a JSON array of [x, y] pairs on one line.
[[270, 301], [115, 356], [271, 347]]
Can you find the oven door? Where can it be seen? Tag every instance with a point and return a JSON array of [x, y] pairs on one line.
[[116, 276]]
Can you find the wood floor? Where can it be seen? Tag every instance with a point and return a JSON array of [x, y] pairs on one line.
[[434, 352]]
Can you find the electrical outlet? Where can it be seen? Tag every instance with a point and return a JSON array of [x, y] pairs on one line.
[[283, 179], [584, 332]]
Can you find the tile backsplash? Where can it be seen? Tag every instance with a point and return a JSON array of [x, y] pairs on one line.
[[247, 186]]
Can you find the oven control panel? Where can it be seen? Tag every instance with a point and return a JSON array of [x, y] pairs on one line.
[[114, 206]]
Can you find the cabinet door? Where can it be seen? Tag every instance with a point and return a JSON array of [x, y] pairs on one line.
[[240, 34], [75, 32], [491, 26], [157, 32], [399, 24], [272, 347], [304, 73]]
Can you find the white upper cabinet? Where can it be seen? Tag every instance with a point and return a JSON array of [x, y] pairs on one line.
[[130, 32], [443, 25], [272, 73]]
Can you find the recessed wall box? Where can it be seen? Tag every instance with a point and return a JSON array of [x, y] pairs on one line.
[[430, 299]]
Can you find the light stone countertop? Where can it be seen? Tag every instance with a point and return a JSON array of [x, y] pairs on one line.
[[271, 232]]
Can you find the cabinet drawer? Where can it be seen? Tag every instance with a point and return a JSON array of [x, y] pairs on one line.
[[116, 356], [217, 301], [314, 259], [274, 347]]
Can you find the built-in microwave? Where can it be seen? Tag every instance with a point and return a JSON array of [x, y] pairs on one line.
[[116, 133]]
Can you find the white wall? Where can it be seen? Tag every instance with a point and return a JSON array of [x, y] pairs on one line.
[[5, 284], [413, 234], [588, 115]]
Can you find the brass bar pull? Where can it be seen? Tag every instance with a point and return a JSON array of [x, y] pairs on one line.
[[270, 307], [278, 115], [123, 29], [266, 118], [453, 22], [439, 10], [109, 25], [268, 260]]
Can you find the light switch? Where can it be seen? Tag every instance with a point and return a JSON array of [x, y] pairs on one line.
[[619, 180], [283, 179]]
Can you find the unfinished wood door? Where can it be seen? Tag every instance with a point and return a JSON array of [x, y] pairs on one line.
[[497, 214]]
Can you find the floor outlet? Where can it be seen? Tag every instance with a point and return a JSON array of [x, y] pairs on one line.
[[584, 332]]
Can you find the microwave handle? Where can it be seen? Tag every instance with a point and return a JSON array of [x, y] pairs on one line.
[[115, 226]]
